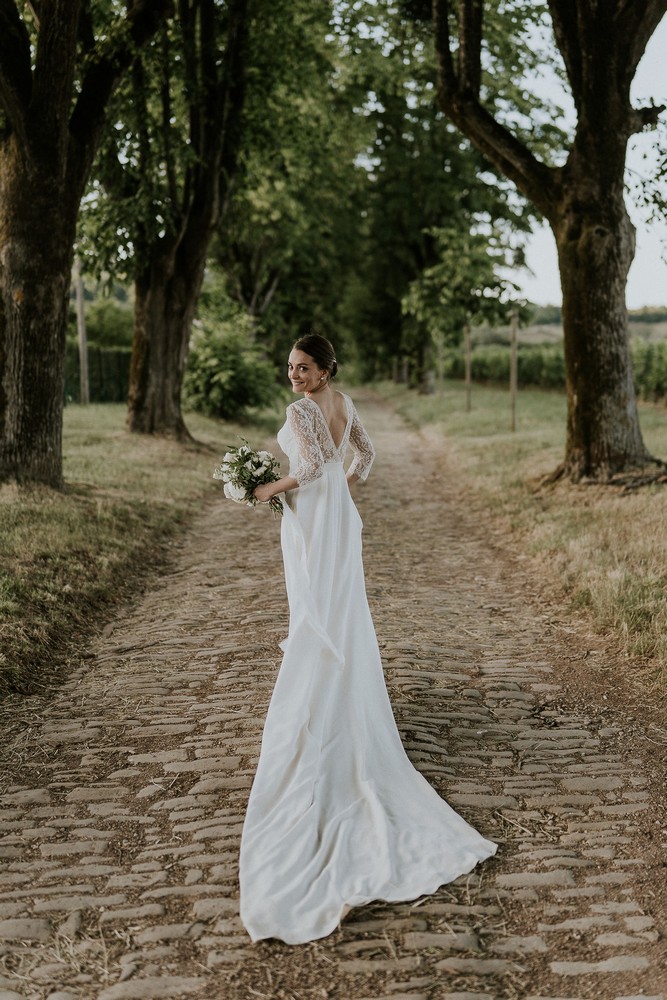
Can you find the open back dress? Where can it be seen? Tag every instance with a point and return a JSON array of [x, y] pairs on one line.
[[337, 816]]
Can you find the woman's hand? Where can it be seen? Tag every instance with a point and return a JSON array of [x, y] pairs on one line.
[[264, 492]]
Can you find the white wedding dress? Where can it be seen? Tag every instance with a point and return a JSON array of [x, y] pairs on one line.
[[337, 816]]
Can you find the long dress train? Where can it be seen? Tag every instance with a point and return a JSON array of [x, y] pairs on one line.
[[337, 816]]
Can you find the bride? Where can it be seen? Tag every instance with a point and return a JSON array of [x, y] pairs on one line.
[[337, 816]]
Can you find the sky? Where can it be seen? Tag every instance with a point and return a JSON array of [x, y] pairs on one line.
[[647, 282]]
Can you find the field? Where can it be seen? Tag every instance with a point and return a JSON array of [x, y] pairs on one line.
[[599, 550]]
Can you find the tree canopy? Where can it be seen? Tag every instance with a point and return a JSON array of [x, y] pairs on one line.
[[366, 170]]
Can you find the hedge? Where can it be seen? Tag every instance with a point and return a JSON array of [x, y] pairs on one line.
[[543, 366], [108, 373]]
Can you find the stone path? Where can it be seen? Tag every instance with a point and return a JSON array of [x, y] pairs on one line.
[[125, 792]]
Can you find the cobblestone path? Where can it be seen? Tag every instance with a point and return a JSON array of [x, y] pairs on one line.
[[126, 790]]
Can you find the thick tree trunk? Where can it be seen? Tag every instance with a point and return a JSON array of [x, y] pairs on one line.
[[52, 119], [167, 287], [35, 270], [601, 45], [596, 246], [165, 302]]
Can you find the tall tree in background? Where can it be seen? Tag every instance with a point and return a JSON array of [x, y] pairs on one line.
[[163, 179], [59, 64], [291, 238], [582, 198], [428, 197]]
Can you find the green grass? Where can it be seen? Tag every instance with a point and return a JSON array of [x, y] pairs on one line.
[[68, 558], [598, 550]]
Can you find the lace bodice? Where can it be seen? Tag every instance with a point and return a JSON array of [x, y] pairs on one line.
[[306, 440]]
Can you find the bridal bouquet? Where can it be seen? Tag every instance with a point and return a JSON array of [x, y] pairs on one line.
[[242, 470]]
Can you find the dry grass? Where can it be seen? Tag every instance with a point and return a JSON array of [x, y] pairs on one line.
[[596, 548], [68, 558]]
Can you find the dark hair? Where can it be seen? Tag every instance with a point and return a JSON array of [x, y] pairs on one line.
[[320, 350]]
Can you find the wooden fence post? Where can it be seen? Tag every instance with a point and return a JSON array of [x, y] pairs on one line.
[[513, 366], [84, 391], [440, 342], [468, 365]]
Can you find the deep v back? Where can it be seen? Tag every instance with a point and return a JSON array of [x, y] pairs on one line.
[[345, 414]]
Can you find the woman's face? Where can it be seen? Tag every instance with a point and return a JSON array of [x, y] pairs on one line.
[[304, 373]]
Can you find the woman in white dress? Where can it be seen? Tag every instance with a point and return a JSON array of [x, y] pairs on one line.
[[337, 816]]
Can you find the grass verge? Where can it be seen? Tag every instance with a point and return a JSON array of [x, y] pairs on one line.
[[597, 548], [67, 559]]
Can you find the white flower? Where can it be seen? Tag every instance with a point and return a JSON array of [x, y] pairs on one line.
[[236, 493], [242, 469]]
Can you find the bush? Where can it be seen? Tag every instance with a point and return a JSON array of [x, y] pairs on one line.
[[109, 323], [227, 374]]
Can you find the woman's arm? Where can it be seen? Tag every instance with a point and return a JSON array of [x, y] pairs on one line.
[[363, 449], [267, 490]]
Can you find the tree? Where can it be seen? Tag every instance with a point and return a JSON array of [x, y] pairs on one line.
[[290, 239], [164, 180], [582, 197], [429, 199], [59, 64]]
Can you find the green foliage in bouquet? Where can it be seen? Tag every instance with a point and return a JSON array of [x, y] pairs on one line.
[[242, 470]]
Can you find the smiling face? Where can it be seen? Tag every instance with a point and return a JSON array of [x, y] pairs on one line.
[[304, 373]]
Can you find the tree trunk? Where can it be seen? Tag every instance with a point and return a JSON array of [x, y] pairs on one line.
[[170, 269], [166, 294], [52, 117], [601, 45], [34, 295], [596, 245]]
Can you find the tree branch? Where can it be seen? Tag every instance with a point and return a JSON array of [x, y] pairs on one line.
[[567, 31], [53, 78], [470, 47], [167, 114], [86, 30], [533, 178], [109, 63], [233, 94], [642, 118], [15, 68], [446, 75], [636, 20]]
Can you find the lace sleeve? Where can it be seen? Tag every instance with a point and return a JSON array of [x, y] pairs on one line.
[[362, 446], [310, 461]]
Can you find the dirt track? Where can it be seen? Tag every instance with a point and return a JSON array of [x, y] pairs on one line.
[[126, 790]]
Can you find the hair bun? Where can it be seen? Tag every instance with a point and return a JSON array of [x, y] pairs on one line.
[[320, 350]]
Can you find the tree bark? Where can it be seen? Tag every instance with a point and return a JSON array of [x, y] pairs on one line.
[[583, 202], [51, 126], [166, 293], [34, 294], [596, 245]]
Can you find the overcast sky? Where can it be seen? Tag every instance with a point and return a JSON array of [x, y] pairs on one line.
[[647, 283]]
